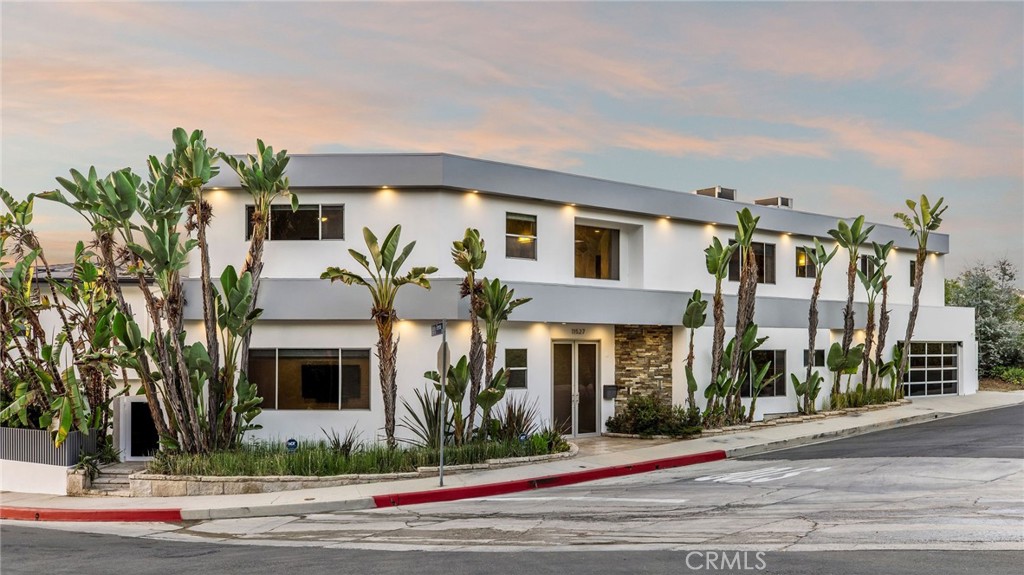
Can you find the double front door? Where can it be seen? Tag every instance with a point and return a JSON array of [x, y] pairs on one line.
[[575, 383]]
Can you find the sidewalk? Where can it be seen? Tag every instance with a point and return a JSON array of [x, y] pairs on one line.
[[636, 456]]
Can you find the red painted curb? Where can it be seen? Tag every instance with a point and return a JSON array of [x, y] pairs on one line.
[[123, 515], [491, 489]]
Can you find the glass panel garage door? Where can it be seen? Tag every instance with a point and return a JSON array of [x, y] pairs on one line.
[[933, 369]]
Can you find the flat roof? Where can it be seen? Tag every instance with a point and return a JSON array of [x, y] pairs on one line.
[[447, 171]]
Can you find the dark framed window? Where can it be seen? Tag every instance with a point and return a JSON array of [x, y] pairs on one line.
[[520, 236], [819, 358], [804, 267], [311, 378], [764, 254], [867, 265], [597, 253], [309, 222], [775, 380], [515, 365], [913, 272]]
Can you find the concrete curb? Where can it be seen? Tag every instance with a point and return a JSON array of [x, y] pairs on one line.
[[558, 480], [112, 515]]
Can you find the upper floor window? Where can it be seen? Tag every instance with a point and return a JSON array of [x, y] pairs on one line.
[[867, 266], [597, 253], [520, 236], [804, 266], [764, 254], [309, 222], [775, 380]]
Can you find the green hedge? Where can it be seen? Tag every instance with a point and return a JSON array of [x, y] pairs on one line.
[[653, 415], [320, 459]]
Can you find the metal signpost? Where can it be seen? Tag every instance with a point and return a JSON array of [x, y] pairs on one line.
[[443, 359]]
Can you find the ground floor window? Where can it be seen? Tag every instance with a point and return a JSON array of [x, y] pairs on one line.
[[933, 369], [311, 378], [515, 365], [775, 380]]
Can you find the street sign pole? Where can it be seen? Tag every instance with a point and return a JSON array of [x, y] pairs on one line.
[[442, 368]]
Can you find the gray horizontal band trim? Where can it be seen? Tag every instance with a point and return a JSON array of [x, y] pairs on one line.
[[456, 172], [315, 300]]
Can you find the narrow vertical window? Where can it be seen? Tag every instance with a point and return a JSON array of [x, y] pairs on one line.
[[804, 267], [913, 272], [515, 365], [520, 236]]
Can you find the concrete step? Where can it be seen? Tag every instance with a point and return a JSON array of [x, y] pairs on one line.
[[108, 493]]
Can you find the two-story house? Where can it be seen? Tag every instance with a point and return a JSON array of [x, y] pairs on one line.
[[609, 266]]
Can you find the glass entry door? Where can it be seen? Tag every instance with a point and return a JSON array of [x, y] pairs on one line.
[[575, 383]]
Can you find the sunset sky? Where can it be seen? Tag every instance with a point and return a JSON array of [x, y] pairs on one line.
[[847, 108]]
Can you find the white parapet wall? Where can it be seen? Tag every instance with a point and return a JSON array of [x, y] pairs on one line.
[[24, 477]]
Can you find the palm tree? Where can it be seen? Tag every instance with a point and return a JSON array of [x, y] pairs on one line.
[[819, 257], [262, 176], [470, 255], [496, 304], [746, 295], [882, 254], [850, 237], [693, 318], [923, 219], [716, 257], [873, 286], [383, 283]]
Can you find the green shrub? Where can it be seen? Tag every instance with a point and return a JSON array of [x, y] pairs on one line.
[[319, 458], [652, 414], [1014, 375]]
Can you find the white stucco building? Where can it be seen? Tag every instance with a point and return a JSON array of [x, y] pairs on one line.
[[609, 267]]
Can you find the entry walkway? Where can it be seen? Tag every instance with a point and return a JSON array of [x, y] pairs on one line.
[[603, 457]]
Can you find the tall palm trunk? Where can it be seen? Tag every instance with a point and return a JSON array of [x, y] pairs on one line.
[[106, 245], [812, 335], [254, 265], [387, 352], [476, 352], [918, 279], [883, 325], [746, 298], [869, 337], [718, 340], [851, 275]]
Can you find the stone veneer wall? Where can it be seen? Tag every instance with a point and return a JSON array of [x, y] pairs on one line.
[[643, 360]]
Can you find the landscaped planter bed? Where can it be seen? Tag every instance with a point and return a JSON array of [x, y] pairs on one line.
[[767, 423], [146, 484]]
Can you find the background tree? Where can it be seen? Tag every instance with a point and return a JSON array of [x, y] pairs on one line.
[[850, 237], [383, 284], [923, 219], [469, 254], [999, 325]]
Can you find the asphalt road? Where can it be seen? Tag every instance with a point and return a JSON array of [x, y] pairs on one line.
[[31, 551], [997, 433], [940, 497]]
